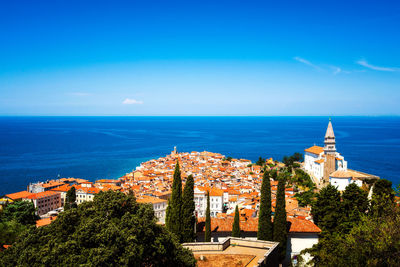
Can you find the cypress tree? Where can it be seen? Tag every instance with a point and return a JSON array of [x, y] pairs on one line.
[[280, 229], [207, 234], [70, 199], [264, 217], [174, 213], [188, 209], [236, 224]]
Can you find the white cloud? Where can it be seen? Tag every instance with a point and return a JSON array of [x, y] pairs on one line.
[[336, 70], [364, 63], [305, 61], [130, 101]]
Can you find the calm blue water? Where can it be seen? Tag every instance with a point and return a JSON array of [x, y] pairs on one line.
[[40, 148]]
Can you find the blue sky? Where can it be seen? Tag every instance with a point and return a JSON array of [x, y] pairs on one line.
[[199, 58]]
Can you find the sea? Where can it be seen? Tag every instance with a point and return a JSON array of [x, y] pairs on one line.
[[36, 149]]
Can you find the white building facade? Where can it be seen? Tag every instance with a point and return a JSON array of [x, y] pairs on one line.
[[315, 157]]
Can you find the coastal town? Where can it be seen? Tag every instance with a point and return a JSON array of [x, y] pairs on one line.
[[230, 183]]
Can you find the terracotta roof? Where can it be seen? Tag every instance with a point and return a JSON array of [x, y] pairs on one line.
[[63, 188], [315, 150], [19, 195], [352, 174], [52, 184], [43, 194], [319, 161], [149, 199], [45, 221], [340, 174], [297, 225]]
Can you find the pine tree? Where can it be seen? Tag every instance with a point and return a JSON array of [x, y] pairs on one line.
[[280, 228], [174, 213], [188, 209], [236, 224], [207, 234], [354, 205], [326, 210], [382, 198], [264, 217]]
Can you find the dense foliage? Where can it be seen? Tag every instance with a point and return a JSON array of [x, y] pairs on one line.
[[362, 235], [289, 161], [112, 230], [236, 224], [22, 212], [354, 205], [207, 234], [280, 222], [260, 161], [373, 241], [174, 211], [327, 209], [16, 218], [188, 210], [265, 210], [306, 187]]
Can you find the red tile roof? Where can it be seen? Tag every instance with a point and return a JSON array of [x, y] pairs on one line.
[[297, 225], [43, 194], [315, 150], [19, 195]]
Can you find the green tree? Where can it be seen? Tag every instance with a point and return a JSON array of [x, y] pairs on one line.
[[207, 234], [280, 223], [236, 224], [382, 197], [70, 199], [188, 209], [111, 230], [354, 204], [22, 212], [10, 231], [260, 161], [175, 211], [326, 210], [264, 218], [372, 242]]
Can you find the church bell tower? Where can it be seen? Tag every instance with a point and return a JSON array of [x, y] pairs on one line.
[[329, 152]]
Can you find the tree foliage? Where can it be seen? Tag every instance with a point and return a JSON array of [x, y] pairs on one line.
[[236, 224], [354, 205], [264, 218], [260, 161], [280, 219], [326, 210], [188, 209], [174, 222], [22, 212], [112, 230], [289, 161], [70, 199], [382, 197], [372, 242], [207, 234]]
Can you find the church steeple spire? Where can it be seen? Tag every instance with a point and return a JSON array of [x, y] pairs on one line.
[[330, 141]]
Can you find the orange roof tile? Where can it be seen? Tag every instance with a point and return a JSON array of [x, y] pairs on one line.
[[43, 194], [315, 150], [19, 195], [45, 221]]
